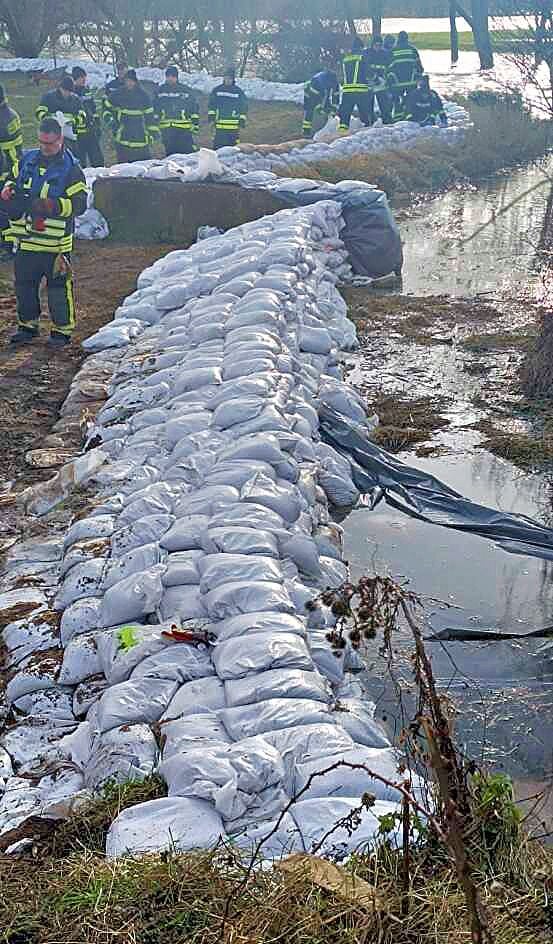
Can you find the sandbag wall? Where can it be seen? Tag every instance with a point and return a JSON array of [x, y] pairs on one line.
[[211, 516]]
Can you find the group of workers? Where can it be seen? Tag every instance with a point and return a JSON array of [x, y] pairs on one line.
[[43, 190], [137, 119], [388, 72]]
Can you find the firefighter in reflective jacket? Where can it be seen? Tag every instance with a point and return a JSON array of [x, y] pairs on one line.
[[89, 133], [63, 99], [379, 59], [403, 74], [227, 110], [177, 113], [424, 106], [117, 84], [11, 143], [42, 203], [320, 96], [132, 121], [356, 88]]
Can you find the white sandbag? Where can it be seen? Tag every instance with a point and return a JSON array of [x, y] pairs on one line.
[[275, 839], [186, 534], [303, 550], [137, 700], [80, 660], [264, 447], [146, 530], [342, 399], [179, 604], [181, 662], [329, 661], [173, 824], [197, 697], [81, 617], [154, 499], [316, 820], [241, 596], [248, 515], [334, 573], [83, 580], [237, 473], [262, 622], [195, 379], [83, 551], [238, 410], [283, 498], [356, 717], [133, 598], [122, 649], [192, 733], [241, 541], [260, 652], [277, 683], [125, 753], [182, 568], [207, 500], [272, 715], [186, 424], [217, 569], [139, 559], [301, 743], [237, 778], [345, 781]]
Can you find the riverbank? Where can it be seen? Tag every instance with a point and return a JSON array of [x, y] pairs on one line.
[[501, 137]]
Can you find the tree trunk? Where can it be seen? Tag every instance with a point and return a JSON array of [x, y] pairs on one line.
[[229, 37], [28, 25], [454, 35], [481, 32], [377, 19]]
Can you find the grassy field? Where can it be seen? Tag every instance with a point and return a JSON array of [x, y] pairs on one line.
[[440, 41]]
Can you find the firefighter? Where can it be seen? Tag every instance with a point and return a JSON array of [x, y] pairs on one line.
[[227, 110], [117, 84], [63, 99], [405, 69], [379, 59], [89, 133], [132, 120], [42, 203], [424, 106], [356, 89], [178, 114], [11, 143], [320, 96]]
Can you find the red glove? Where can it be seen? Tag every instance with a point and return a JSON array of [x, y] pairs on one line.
[[45, 207]]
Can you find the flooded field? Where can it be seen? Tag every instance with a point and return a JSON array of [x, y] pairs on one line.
[[455, 338]]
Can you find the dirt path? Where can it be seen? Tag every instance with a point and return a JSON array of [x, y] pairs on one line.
[[33, 380]]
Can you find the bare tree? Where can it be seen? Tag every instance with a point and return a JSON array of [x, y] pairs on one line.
[[529, 49]]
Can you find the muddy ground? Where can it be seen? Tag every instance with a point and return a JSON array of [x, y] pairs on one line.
[[34, 380]]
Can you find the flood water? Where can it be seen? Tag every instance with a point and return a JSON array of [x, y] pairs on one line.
[[503, 690]]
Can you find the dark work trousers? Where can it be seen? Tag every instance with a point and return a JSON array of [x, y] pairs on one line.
[[225, 139], [177, 141], [385, 103], [89, 152], [365, 107], [30, 269], [128, 155], [310, 102]]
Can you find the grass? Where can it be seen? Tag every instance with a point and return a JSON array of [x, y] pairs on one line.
[[429, 166], [406, 421], [528, 451], [65, 892], [500, 343]]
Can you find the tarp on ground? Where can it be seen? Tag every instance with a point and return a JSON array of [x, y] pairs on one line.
[[423, 496], [370, 235]]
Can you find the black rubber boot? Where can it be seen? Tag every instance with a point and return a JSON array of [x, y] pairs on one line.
[[57, 339], [23, 336]]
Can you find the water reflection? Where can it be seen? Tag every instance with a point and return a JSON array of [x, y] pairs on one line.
[[442, 258]]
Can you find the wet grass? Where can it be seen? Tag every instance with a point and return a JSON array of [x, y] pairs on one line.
[[530, 450], [406, 421], [500, 343]]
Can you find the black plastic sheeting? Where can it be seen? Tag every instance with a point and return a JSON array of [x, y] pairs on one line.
[[371, 235], [423, 496]]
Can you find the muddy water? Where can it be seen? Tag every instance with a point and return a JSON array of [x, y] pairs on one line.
[[503, 690], [445, 254]]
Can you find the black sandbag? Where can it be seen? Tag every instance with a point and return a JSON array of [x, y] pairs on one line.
[[371, 235], [425, 497]]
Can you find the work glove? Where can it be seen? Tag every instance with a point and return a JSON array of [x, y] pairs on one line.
[[45, 207], [7, 192]]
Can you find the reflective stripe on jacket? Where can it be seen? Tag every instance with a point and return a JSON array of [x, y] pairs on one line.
[[176, 107], [228, 107], [355, 72], [69, 105], [134, 120], [59, 178], [11, 143]]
